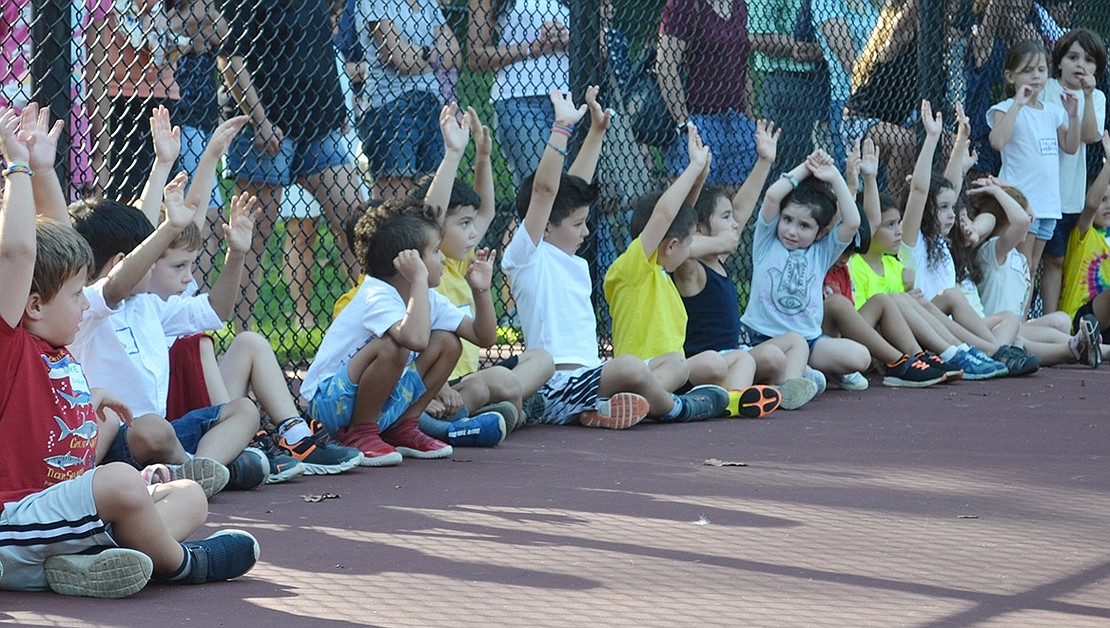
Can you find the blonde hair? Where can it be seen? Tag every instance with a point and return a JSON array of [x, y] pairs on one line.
[[61, 253]]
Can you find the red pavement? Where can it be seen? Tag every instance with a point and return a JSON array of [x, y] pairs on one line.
[[972, 503]]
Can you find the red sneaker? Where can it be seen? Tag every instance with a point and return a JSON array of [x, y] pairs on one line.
[[619, 412], [406, 436], [375, 451]]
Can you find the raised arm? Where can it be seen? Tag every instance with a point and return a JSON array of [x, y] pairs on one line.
[[1097, 191], [1090, 129], [963, 155], [1003, 127], [585, 164], [482, 329], [766, 148], [1017, 218], [238, 233], [50, 200], [824, 169], [772, 199], [545, 184], [676, 194], [869, 168], [484, 52], [17, 222], [167, 146], [922, 175], [456, 135], [1068, 136], [204, 179], [483, 174]]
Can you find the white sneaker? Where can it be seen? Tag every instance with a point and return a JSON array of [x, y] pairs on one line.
[[853, 381]]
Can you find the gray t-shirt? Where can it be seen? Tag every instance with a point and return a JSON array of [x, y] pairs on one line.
[[417, 28]]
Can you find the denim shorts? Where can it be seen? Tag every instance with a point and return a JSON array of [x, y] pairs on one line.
[[402, 137], [730, 135], [1058, 245], [750, 338], [1042, 229], [193, 143], [296, 159], [334, 400], [523, 127]]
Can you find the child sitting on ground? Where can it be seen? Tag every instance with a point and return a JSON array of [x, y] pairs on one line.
[[649, 319], [125, 531], [552, 288]]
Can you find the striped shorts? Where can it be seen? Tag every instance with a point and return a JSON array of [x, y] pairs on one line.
[[568, 394], [59, 520]]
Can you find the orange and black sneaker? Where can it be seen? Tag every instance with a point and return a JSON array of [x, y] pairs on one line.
[[911, 372], [619, 412], [283, 467], [320, 454], [755, 402]]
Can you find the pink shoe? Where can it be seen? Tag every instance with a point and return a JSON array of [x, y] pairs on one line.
[[375, 451], [406, 436]]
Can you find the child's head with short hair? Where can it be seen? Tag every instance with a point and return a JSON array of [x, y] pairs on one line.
[[113, 229], [173, 272], [57, 301], [807, 212], [566, 225], [394, 226], [713, 211], [675, 246], [459, 235], [1026, 64], [887, 238], [1080, 52]]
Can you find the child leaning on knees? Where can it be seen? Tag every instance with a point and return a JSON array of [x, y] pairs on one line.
[[127, 531], [709, 295], [496, 392], [552, 289], [649, 319]]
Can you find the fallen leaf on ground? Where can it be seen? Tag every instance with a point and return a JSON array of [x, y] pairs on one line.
[[713, 462], [319, 498]]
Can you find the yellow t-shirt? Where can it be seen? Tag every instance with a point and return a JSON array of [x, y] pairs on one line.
[[345, 298], [867, 284], [648, 317], [1086, 270], [453, 286]]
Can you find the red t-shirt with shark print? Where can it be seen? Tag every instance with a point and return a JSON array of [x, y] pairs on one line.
[[47, 421]]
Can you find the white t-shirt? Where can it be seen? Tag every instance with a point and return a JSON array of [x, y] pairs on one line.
[[531, 77], [416, 27], [1004, 287], [1031, 160], [125, 350], [931, 279], [552, 292], [375, 308], [1073, 168]]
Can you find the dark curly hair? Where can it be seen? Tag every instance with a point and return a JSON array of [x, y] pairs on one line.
[[389, 228]]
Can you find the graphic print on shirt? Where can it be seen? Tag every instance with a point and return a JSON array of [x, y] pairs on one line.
[[1095, 283], [790, 284], [74, 444]]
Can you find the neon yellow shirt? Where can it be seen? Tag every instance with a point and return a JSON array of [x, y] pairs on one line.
[[648, 317], [867, 283], [453, 286], [1086, 270], [345, 298]]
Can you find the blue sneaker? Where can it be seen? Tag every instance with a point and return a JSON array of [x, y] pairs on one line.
[[975, 368], [703, 402], [481, 430], [225, 555], [249, 470], [817, 377], [1001, 369]]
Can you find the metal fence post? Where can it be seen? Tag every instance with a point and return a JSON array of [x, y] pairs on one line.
[[52, 67]]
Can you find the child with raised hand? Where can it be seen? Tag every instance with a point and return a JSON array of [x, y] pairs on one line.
[[552, 288], [649, 319], [1030, 132], [1078, 59], [128, 532], [1086, 265], [497, 392], [795, 244], [122, 341], [709, 295]]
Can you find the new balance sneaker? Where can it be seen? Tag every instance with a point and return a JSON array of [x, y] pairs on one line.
[[1018, 361], [619, 412], [211, 475], [481, 430], [854, 381], [754, 402], [250, 469], [367, 439], [410, 442], [999, 367], [283, 467], [1090, 338], [911, 372], [507, 411], [797, 392], [703, 402], [320, 454], [976, 368], [952, 372], [225, 555], [113, 573]]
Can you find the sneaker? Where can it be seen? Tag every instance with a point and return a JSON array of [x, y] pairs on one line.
[[250, 469], [910, 372], [952, 372], [1018, 361], [975, 368], [619, 412], [375, 451], [481, 430], [320, 454], [703, 402], [797, 392], [1090, 338], [755, 402], [113, 573], [211, 475], [410, 442], [854, 381], [534, 407], [999, 367], [817, 377], [507, 411], [225, 555], [283, 467]]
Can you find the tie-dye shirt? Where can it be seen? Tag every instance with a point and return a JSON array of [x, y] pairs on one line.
[[1086, 270]]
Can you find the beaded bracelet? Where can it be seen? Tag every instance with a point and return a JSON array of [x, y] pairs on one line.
[[566, 128], [561, 151], [18, 168]]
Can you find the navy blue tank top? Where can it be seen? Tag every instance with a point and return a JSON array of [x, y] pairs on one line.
[[713, 315]]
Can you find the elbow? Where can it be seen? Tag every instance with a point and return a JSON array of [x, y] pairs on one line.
[[997, 143], [477, 62], [414, 342]]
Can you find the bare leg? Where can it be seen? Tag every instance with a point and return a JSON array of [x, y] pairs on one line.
[[387, 188], [1052, 275], [629, 374], [237, 426], [269, 200], [182, 506], [152, 439], [376, 368], [435, 364], [838, 356], [213, 380], [883, 311], [842, 317], [250, 367], [770, 362], [898, 144], [340, 197], [796, 351], [300, 258], [122, 500], [733, 371], [533, 368], [670, 370], [488, 386]]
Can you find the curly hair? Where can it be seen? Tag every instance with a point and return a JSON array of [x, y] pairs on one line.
[[385, 230]]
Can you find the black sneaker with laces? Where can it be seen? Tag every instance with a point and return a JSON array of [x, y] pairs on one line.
[[283, 467], [952, 371], [911, 372], [320, 454], [1017, 360]]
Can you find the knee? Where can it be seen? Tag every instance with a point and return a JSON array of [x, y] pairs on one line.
[[248, 342], [772, 360], [189, 498], [539, 358], [712, 366], [794, 341], [502, 383], [858, 356], [446, 344], [626, 370], [117, 486], [240, 410], [151, 438]]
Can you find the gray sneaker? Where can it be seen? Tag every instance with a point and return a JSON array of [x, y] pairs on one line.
[[211, 475], [853, 381], [507, 410], [703, 402], [113, 573], [797, 392]]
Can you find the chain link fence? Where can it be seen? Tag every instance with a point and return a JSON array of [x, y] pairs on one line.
[[343, 99]]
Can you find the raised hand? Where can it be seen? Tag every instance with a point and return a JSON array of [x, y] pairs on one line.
[[456, 131], [239, 230], [963, 123], [599, 118], [1087, 83], [1023, 95], [178, 215], [167, 138], [479, 272], [43, 137], [1070, 102], [934, 124], [852, 165], [699, 152], [483, 141], [822, 166], [410, 265], [268, 137], [968, 155], [766, 140], [13, 141], [565, 111], [869, 159], [226, 132]]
